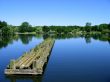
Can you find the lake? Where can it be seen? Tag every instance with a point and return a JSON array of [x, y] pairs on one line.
[[73, 58]]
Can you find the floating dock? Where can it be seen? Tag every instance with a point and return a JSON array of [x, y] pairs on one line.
[[31, 63]]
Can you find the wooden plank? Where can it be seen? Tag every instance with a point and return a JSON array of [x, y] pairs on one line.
[[38, 54]]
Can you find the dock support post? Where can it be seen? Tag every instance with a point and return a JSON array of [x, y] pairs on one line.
[[12, 64], [34, 65]]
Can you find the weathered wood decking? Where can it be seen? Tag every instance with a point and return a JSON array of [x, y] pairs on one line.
[[33, 61]]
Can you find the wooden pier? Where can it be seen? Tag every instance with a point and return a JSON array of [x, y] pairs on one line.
[[31, 62]]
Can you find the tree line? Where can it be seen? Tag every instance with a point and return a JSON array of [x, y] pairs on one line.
[[25, 27], [87, 29]]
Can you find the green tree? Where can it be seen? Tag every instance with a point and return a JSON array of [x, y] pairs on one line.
[[46, 29], [103, 27], [25, 27], [109, 26], [88, 27], [38, 29], [3, 24], [7, 30]]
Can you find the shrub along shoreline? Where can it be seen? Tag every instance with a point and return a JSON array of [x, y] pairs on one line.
[[26, 28]]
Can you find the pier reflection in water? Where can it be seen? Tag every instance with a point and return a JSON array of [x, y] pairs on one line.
[[20, 78]]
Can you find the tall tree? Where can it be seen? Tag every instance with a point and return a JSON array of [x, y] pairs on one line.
[[25, 27], [3, 24], [88, 27], [46, 29]]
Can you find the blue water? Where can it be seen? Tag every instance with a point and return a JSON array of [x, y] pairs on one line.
[[13, 51], [71, 60]]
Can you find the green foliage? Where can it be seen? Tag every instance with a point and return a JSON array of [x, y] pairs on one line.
[[5, 28], [38, 29], [46, 29], [25, 27], [3, 24], [88, 27], [103, 26]]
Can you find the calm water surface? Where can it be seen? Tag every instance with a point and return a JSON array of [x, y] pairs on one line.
[[73, 59]]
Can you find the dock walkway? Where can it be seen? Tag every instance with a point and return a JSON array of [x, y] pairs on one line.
[[31, 62]]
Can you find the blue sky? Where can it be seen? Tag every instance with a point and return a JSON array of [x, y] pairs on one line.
[[55, 12]]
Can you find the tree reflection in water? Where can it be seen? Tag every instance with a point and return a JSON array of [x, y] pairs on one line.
[[15, 78], [5, 40], [25, 39]]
